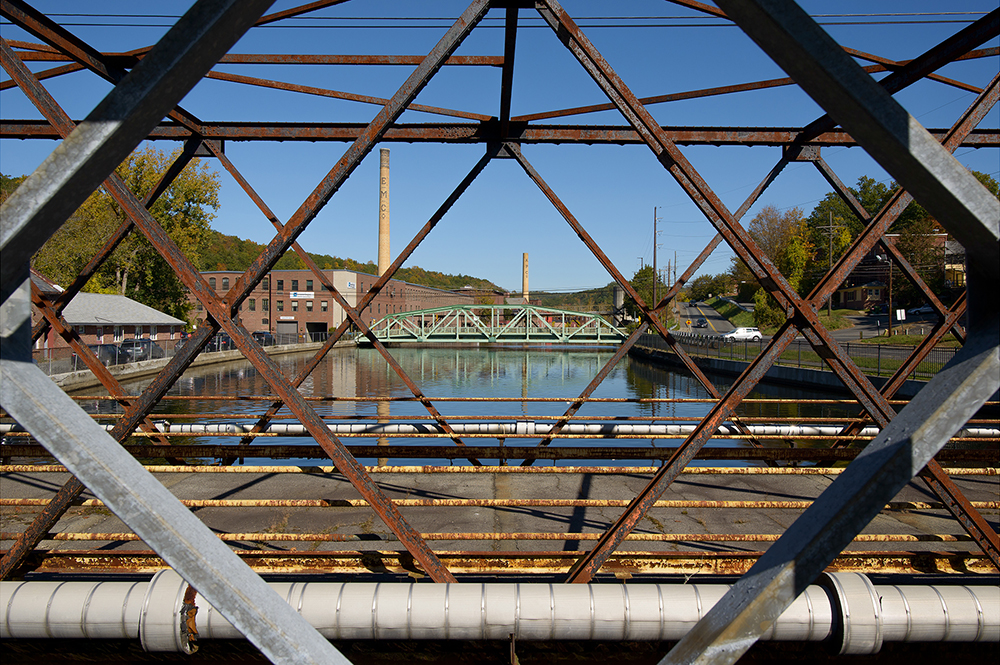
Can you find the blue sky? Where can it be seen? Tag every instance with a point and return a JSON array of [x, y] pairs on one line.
[[612, 190]]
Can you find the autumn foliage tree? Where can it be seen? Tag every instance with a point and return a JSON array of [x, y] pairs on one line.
[[135, 269], [784, 237]]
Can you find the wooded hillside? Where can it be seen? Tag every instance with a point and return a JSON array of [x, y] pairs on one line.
[[226, 252]]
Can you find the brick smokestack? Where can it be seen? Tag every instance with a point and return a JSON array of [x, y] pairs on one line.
[[524, 279], [384, 257]]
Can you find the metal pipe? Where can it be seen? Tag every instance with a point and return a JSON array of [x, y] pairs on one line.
[[520, 429], [845, 607]]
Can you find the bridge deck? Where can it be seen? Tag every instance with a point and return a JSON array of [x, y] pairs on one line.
[[491, 527]]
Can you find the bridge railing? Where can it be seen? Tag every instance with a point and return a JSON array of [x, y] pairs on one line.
[[873, 359]]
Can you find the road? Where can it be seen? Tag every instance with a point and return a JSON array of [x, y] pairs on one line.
[[691, 312]]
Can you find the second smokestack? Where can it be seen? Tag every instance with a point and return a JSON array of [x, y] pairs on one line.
[[384, 257]]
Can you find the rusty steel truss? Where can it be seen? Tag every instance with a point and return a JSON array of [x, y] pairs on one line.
[[144, 105]]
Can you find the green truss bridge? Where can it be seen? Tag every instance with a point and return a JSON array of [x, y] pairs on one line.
[[500, 324]]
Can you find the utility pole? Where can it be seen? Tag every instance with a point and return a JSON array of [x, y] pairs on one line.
[[655, 276], [829, 228]]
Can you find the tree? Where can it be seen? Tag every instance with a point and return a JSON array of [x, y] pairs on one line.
[[784, 237], [642, 282], [704, 287], [135, 269]]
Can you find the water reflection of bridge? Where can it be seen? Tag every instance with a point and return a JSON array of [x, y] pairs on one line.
[[497, 324]]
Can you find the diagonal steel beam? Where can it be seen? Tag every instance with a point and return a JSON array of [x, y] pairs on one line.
[[116, 238], [805, 312], [361, 147], [616, 274], [153, 513], [507, 75], [112, 130], [338, 94], [345, 462], [86, 153], [670, 295], [352, 313], [176, 366], [911, 440]]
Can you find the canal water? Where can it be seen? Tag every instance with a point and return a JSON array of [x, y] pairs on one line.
[[518, 376]]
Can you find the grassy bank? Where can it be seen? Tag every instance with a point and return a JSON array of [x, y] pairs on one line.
[[742, 319]]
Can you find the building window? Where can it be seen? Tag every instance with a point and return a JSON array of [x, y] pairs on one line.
[[295, 285], [309, 305], [264, 304], [265, 283], [295, 305], [263, 322], [252, 305], [152, 333], [281, 305], [211, 282], [309, 285], [225, 283], [200, 306], [323, 305], [281, 285]]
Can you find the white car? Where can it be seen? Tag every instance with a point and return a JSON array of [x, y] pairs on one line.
[[923, 309], [740, 334]]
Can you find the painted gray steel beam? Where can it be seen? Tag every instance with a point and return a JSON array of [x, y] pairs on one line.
[[116, 126], [881, 126], [944, 405], [139, 500]]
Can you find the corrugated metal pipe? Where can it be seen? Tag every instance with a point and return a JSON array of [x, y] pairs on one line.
[[167, 616]]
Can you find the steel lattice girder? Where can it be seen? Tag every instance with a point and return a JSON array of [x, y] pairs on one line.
[[975, 224]]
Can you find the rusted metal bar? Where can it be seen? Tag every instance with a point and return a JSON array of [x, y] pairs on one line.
[[141, 407], [51, 55], [603, 470], [362, 145], [337, 94], [487, 132], [650, 317], [947, 51], [765, 272], [36, 23], [46, 74], [624, 564], [297, 11], [271, 451], [116, 238], [799, 46], [496, 503], [507, 75], [353, 314], [272, 374], [263, 263], [587, 566], [251, 537], [69, 334]]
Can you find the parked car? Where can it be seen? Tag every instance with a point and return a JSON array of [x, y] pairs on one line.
[[741, 334], [923, 309], [701, 323], [220, 342], [134, 350], [264, 338], [108, 354]]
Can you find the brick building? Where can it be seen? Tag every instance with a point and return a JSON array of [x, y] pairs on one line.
[[103, 318], [293, 302]]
